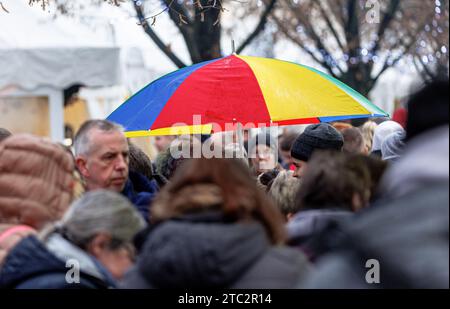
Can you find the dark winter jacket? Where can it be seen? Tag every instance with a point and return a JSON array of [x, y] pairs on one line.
[[408, 238], [308, 230], [35, 265], [204, 250], [425, 161], [406, 232], [140, 191]]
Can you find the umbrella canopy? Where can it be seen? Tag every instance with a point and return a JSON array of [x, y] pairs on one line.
[[239, 89]]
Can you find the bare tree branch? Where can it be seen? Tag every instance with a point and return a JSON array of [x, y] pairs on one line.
[[3, 8], [330, 25], [389, 62], [176, 9], [297, 40], [385, 23], [259, 27], [176, 13], [418, 69], [317, 41], [352, 28], [428, 73], [206, 31], [412, 35], [156, 38]]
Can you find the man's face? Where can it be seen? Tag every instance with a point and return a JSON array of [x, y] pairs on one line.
[[300, 167], [106, 165], [263, 158], [162, 142], [117, 261]]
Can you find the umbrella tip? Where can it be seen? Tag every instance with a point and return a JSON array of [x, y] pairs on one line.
[[233, 48]]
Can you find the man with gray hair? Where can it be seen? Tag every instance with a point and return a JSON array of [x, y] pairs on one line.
[[101, 155], [102, 158]]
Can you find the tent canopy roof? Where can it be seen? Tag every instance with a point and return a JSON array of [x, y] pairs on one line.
[[37, 50], [59, 67]]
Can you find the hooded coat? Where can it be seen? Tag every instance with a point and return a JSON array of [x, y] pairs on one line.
[[307, 229], [407, 238], [392, 146], [425, 160], [406, 232], [10, 235], [204, 250], [382, 131], [32, 264]]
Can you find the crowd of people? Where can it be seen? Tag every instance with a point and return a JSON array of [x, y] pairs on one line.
[[306, 210]]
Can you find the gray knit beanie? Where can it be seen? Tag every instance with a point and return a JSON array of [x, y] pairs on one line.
[[316, 136]]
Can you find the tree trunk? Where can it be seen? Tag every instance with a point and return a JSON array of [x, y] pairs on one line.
[[207, 32]]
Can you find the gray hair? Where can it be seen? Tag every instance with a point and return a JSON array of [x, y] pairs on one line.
[[101, 211], [81, 142], [283, 191], [367, 131]]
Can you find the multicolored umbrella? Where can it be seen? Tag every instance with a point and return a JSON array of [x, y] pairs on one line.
[[239, 89]]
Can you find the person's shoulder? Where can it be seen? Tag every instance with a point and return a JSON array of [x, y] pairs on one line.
[[59, 280], [396, 234], [286, 257], [278, 267], [54, 280], [134, 279], [428, 202]]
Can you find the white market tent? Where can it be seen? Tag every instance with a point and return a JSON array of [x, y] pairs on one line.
[[41, 56]]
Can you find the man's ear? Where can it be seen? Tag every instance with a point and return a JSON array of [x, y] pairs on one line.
[[289, 216], [357, 202], [81, 166], [99, 244], [365, 150]]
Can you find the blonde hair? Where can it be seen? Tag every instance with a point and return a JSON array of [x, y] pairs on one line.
[[283, 191], [367, 130]]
